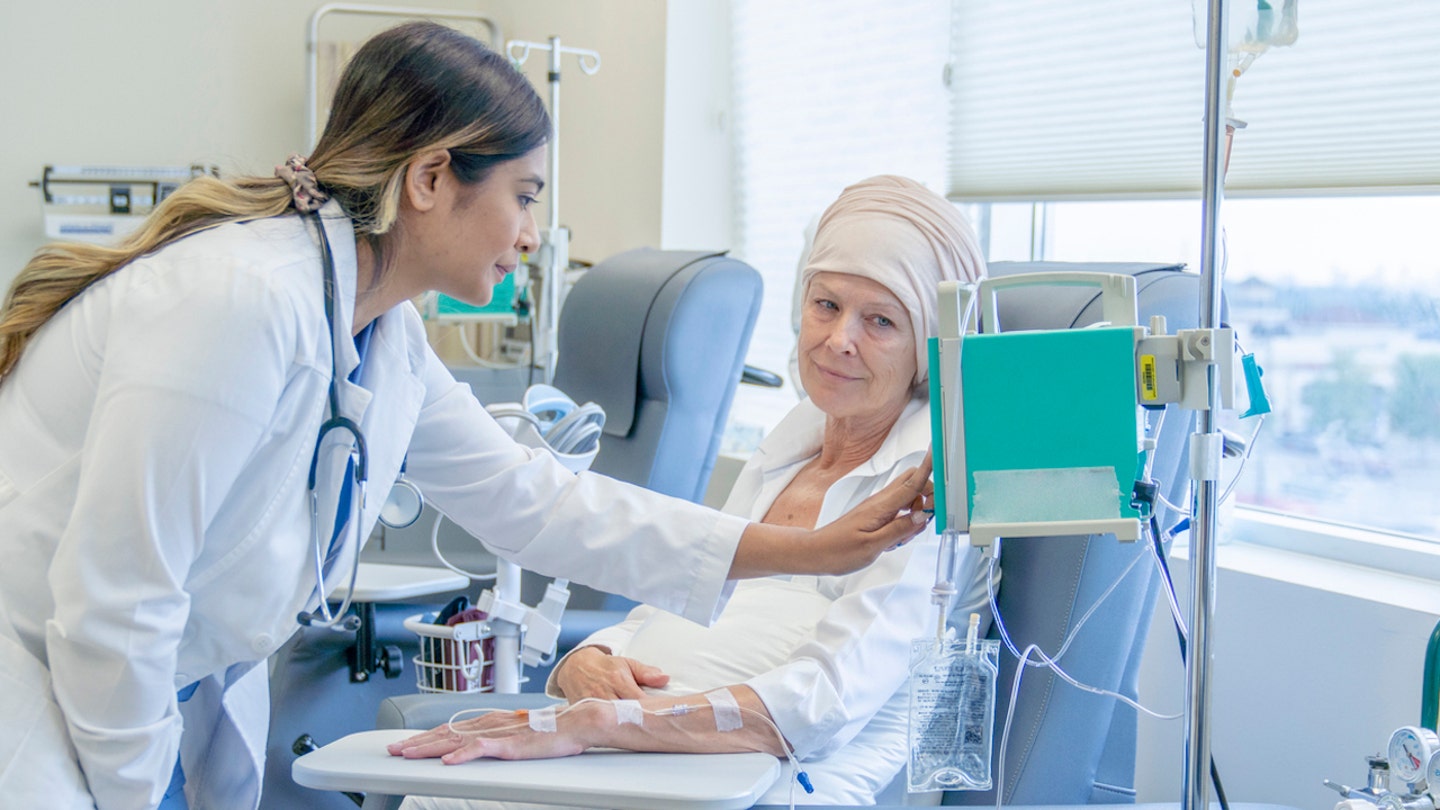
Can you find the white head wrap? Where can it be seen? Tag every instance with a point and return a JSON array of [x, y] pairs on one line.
[[897, 232]]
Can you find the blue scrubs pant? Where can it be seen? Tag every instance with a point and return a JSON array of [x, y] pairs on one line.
[[175, 793]]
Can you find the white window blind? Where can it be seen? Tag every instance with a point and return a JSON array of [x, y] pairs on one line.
[[826, 92], [1054, 99]]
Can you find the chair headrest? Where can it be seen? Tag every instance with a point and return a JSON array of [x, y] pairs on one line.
[[1068, 307], [602, 326]]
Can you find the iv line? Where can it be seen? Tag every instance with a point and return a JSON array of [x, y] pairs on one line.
[[1051, 663], [677, 710]]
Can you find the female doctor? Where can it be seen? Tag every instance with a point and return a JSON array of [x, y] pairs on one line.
[[188, 422]]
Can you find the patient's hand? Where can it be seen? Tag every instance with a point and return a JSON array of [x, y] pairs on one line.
[[500, 735], [592, 672]]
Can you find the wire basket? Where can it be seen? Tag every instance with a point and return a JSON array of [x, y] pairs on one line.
[[456, 658]]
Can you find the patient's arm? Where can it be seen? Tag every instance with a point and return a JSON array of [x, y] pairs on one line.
[[594, 672], [593, 724]]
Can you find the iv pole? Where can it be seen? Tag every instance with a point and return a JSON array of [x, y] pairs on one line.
[[553, 260], [1206, 443], [554, 254]]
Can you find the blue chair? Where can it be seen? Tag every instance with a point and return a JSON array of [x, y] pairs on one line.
[[658, 339]]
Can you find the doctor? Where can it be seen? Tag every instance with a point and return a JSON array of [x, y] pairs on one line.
[[188, 422]]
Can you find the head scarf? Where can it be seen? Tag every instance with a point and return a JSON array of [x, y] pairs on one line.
[[895, 231]]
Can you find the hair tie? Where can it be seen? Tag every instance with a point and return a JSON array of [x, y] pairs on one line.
[[304, 188]]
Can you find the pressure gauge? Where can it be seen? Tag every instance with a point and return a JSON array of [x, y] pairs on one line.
[[1432, 771], [1410, 751]]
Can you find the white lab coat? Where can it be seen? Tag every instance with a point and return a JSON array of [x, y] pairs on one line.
[[829, 656], [154, 521]]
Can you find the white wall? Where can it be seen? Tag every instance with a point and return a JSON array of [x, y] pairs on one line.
[[698, 193], [1314, 665], [611, 138], [174, 82]]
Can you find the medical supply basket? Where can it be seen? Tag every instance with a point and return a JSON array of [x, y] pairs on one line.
[[457, 658]]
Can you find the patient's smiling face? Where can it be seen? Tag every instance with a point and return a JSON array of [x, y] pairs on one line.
[[856, 348]]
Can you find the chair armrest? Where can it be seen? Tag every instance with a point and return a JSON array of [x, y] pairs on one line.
[[429, 711], [750, 375]]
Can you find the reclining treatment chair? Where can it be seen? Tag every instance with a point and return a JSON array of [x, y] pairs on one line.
[[1066, 746], [657, 338]]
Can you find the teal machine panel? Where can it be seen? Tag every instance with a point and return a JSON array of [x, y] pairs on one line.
[[1041, 429], [1039, 404], [501, 306]]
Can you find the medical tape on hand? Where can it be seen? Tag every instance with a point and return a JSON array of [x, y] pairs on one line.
[[543, 720], [628, 711], [727, 710]]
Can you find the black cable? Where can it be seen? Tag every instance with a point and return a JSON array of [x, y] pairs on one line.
[[1180, 634]]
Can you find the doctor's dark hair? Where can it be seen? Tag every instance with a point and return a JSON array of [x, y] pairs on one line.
[[411, 89], [416, 88]]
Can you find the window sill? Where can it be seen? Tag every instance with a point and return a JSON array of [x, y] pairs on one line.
[[1373, 566]]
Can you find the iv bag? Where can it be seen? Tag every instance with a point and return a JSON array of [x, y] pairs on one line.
[[952, 713], [1254, 27]]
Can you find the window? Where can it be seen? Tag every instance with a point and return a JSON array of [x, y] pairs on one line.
[[1334, 266], [1334, 257], [1337, 298]]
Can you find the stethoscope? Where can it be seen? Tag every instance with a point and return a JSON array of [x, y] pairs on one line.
[[403, 506]]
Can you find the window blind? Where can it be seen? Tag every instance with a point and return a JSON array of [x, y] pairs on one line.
[[1056, 100]]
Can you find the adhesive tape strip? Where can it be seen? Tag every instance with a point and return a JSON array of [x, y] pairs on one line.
[[629, 711], [543, 720], [727, 711]]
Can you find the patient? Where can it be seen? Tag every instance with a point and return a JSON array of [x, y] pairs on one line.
[[824, 658]]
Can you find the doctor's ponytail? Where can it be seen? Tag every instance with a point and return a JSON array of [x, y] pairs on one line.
[[58, 272], [413, 88]]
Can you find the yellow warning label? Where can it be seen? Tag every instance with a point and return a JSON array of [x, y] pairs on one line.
[[1149, 391]]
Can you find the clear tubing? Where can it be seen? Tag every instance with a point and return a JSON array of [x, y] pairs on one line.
[[944, 589], [1171, 599], [1052, 663], [435, 548]]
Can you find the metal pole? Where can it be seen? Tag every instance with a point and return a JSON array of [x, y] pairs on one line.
[[555, 259], [554, 79], [312, 47], [1205, 444]]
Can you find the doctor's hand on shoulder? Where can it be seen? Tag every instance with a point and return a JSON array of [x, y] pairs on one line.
[[886, 520]]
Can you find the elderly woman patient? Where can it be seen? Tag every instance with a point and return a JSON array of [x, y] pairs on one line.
[[823, 658]]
